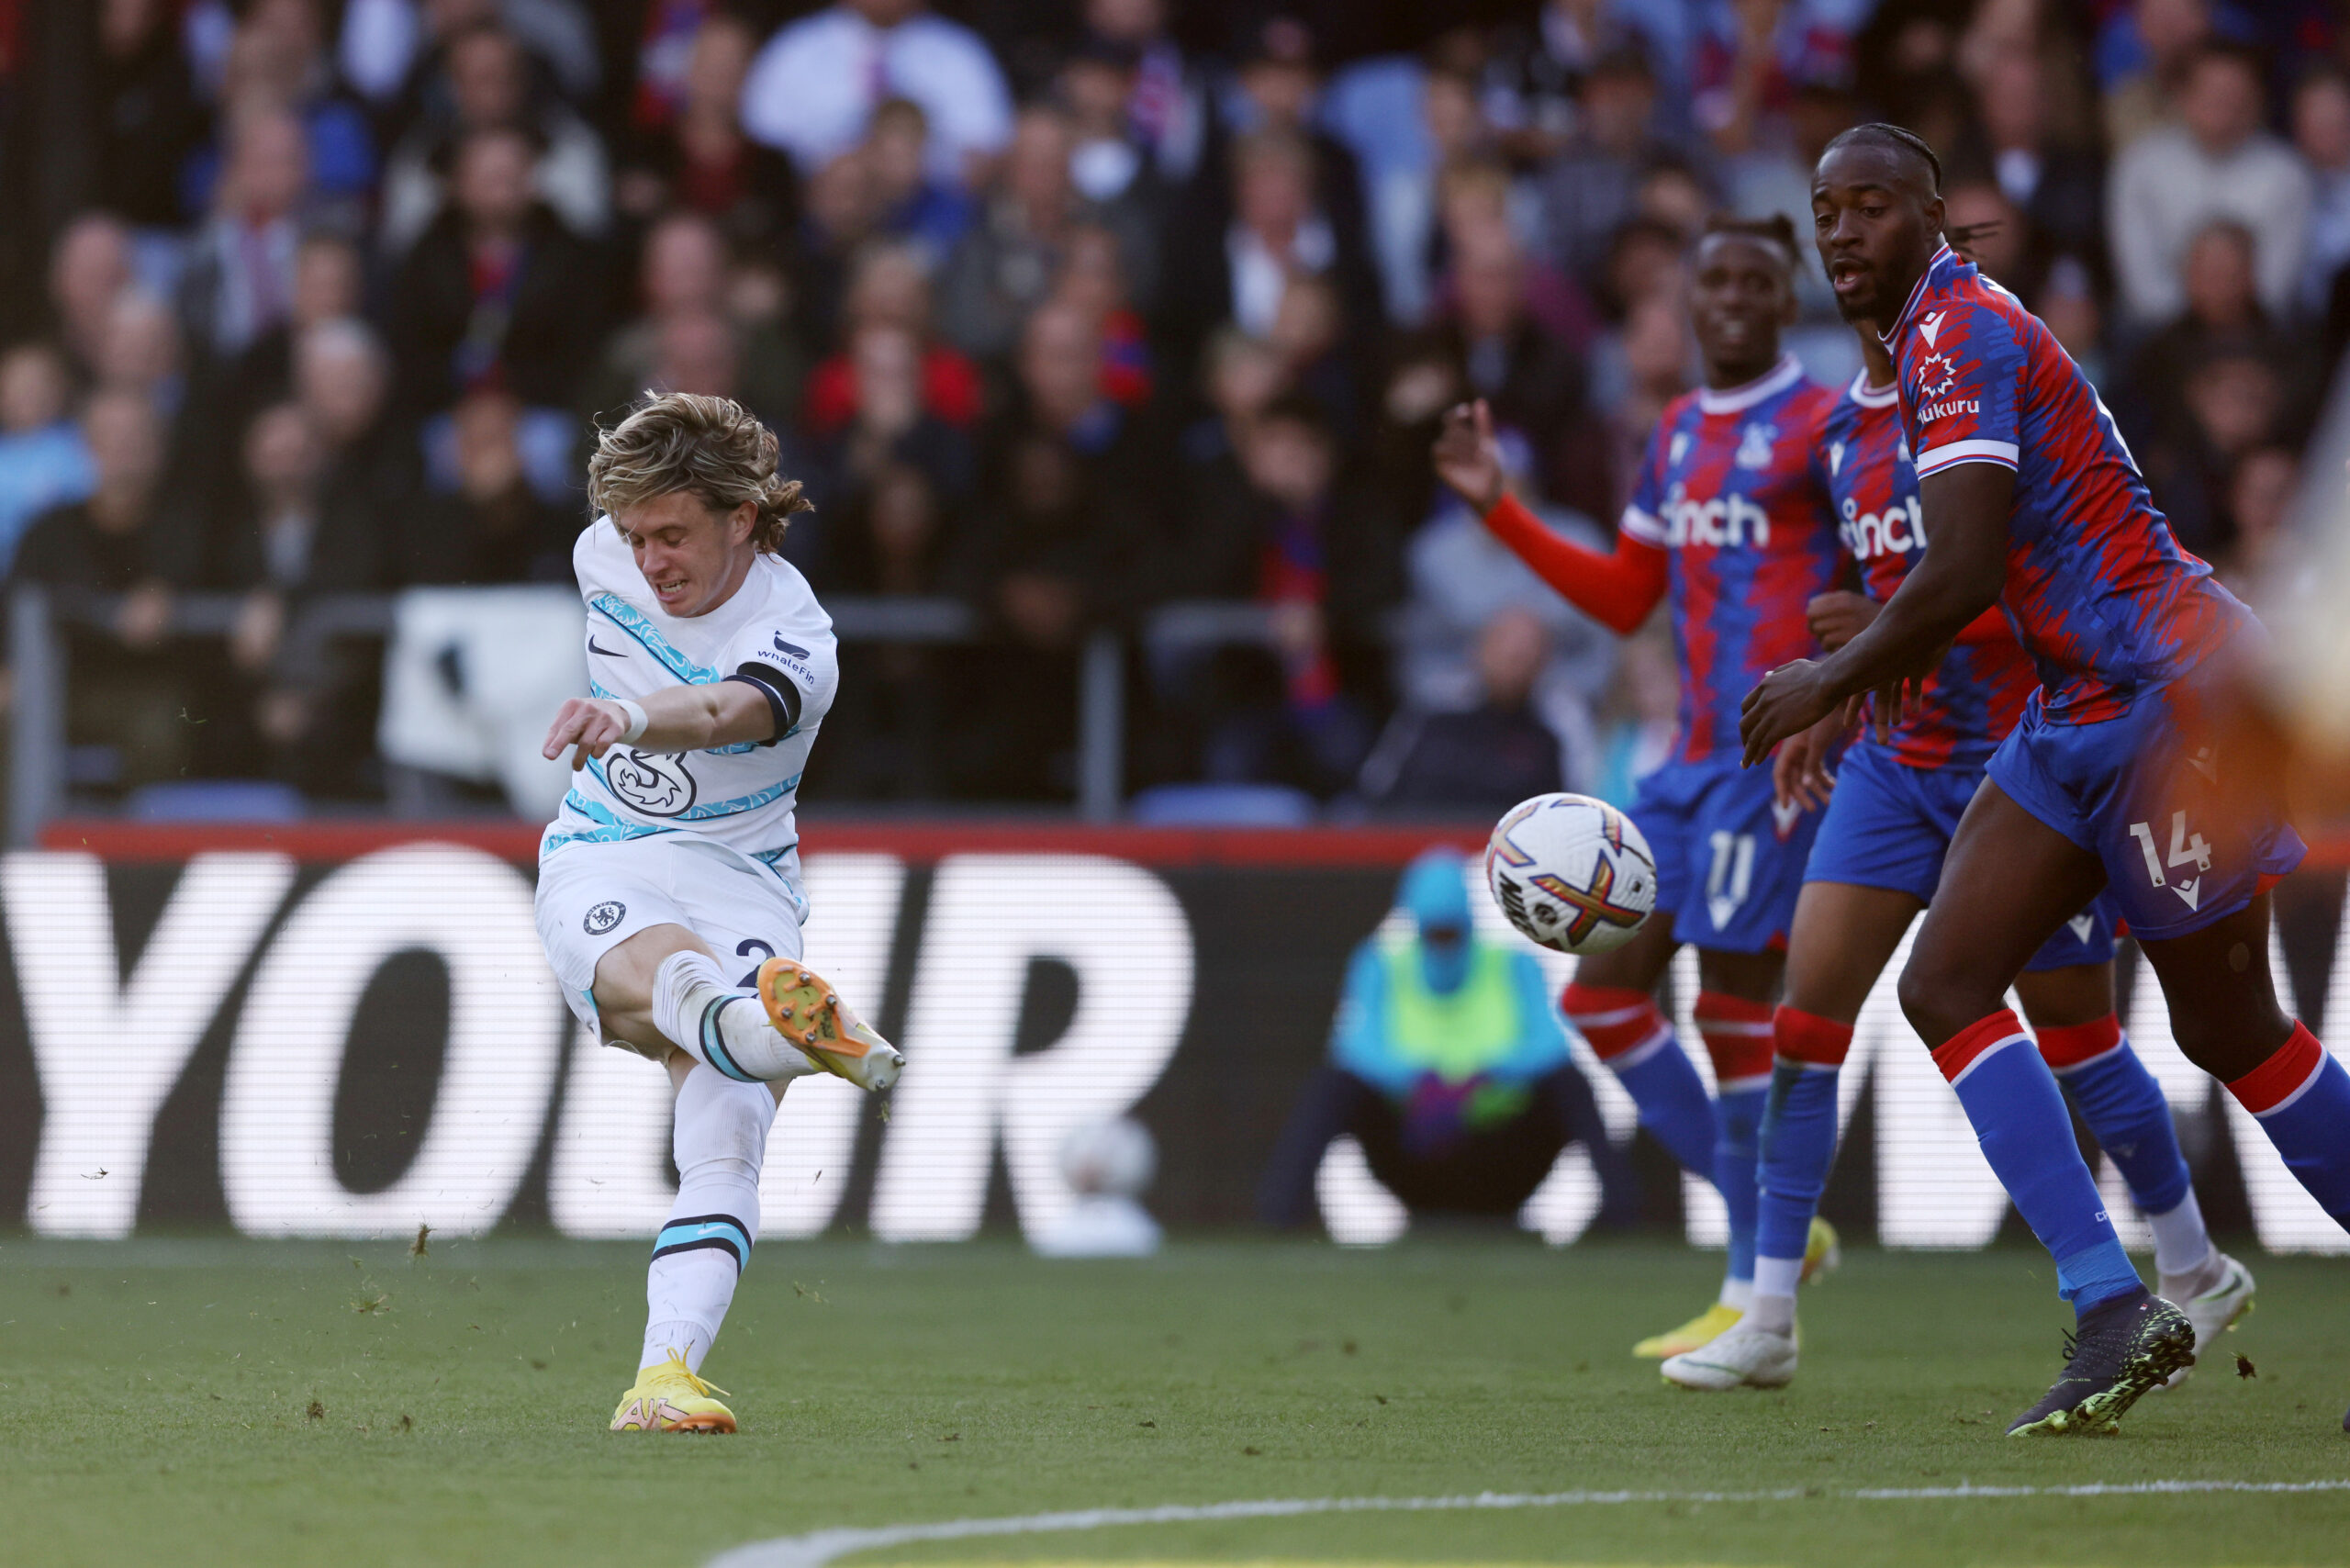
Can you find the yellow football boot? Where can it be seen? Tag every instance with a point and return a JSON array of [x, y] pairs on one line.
[[669, 1398], [1695, 1334], [806, 1011], [1823, 1252]]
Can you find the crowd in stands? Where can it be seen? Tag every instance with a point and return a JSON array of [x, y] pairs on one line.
[[1067, 309]]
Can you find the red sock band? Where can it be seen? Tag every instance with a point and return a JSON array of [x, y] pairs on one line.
[[1737, 1035], [1978, 1040], [2063, 1046], [1615, 1019], [2278, 1082], [1809, 1038]]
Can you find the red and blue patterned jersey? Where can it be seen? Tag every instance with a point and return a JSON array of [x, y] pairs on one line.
[[1976, 695], [2100, 594], [1729, 492]]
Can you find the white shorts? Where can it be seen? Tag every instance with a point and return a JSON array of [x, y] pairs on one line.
[[592, 897]]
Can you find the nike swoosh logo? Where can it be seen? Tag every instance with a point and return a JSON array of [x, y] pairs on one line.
[[606, 652]]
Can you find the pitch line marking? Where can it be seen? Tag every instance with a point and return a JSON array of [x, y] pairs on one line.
[[824, 1546]]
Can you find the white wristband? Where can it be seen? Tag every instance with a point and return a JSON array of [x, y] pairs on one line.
[[637, 722]]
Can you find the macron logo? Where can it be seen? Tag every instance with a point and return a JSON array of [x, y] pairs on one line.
[[1929, 327]]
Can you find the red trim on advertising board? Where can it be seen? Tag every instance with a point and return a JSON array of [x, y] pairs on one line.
[[1385, 845], [917, 841]]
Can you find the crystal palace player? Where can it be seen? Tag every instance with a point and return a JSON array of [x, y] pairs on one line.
[[1875, 866], [2032, 500], [1729, 519]]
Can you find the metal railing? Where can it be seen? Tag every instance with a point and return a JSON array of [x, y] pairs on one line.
[[37, 759]]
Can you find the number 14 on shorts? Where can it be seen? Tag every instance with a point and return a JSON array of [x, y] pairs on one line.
[[2186, 849]]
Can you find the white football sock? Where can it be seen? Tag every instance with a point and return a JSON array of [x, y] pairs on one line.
[[1738, 1294], [698, 1011], [1773, 1307], [2182, 1245], [719, 1142]]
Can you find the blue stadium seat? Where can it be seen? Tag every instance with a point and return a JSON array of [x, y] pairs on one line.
[[1223, 806], [216, 801]]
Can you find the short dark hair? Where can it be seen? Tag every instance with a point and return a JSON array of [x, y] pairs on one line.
[[1903, 143], [1776, 229]]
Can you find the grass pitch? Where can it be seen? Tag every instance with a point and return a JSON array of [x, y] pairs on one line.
[[200, 1402]]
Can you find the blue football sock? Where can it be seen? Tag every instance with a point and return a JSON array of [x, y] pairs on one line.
[[2026, 1134], [2301, 1098], [1737, 1154], [1629, 1033], [1798, 1144], [2123, 1107]]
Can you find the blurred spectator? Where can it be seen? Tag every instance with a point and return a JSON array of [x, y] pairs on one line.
[[2260, 504], [123, 691], [817, 82], [1070, 491], [1539, 86], [2233, 401], [391, 50], [278, 59], [910, 203], [2000, 242], [1480, 760], [286, 541], [2056, 186], [1095, 86], [2068, 304], [1751, 58], [489, 89], [1461, 578], [1640, 717], [1240, 376], [1321, 562], [882, 742], [342, 381], [89, 267], [1166, 104], [839, 209], [685, 271], [141, 352], [1276, 231], [1093, 278], [890, 290], [493, 528], [891, 428], [2322, 136], [146, 111], [1449, 1067], [2143, 56], [1533, 380], [693, 153], [2216, 163], [1404, 208], [239, 279], [1004, 267], [1590, 189], [44, 462], [1636, 371], [496, 293], [2223, 311]]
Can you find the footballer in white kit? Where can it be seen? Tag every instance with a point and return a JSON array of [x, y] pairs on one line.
[[670, 899]]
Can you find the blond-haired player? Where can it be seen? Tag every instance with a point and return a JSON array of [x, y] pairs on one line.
[[669, 897]]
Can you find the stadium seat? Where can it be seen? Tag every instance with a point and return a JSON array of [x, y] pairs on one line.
[[1223, 806], [216, 801]]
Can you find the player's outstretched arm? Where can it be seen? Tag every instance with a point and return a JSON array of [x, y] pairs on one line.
[[1955, 581], [676, 718], [1617, 590]]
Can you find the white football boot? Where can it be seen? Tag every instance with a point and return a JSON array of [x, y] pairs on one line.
[[2215, 1312], [1741, 1358]]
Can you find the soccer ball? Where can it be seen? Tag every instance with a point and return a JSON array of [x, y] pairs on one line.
[[1571, 873], [1116, 1158]]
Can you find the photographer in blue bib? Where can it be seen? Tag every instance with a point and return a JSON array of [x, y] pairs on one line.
[[1449, 1066]]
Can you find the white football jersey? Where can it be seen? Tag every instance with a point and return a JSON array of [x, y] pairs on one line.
[[771, 633]]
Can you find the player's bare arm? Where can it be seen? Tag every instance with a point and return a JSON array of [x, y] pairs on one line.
[[1958, 578], [681, 718]]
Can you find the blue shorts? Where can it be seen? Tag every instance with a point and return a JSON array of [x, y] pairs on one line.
[[1729, 865], [2128, 791], [1889, 826]]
